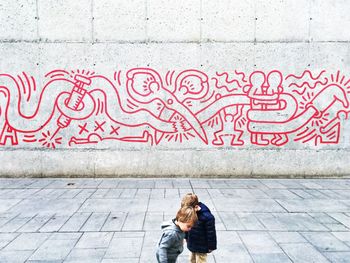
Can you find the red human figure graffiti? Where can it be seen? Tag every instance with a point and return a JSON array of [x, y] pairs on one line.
[[77, 108], [267, 101]]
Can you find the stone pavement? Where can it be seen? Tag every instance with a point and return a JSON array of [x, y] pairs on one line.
[[118, 220]]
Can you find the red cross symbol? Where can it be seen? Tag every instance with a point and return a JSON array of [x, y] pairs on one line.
[[83, 128], [99, 126], [114, 130]]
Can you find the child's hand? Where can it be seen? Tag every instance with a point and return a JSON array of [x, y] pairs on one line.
[[210, 251]]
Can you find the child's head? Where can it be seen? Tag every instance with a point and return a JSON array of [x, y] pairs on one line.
[[186, 217], [190, 199]]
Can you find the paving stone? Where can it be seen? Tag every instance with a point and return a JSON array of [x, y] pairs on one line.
[[325, 241], [91, 183], [14, 224], [44, 261], [6, 217], [25, 193], [124, 248], [95, 240], [313, 205], [100, 193], [47, 207], [35, 223], [336, 227], [231, 221], [344, 194], [182, 183], [57, 247], [342, 218], [317, 194], [128, 193], [87, 255], [27, 241], [270, 258], [70, 193], [343, 236], [170, 205], [134, 221], [250, 221], [114, 222], [42, 183], [217, 183], [281, 194], [149, 245], [295, 221], [75, 222], [172, 193], [311, 185], [216, 193], [54, 223], [244, 205], [231, 245], [6, 238], [7, 204], [236, 193], [303, 253], [85, 194], [330, 193], [4, 193], [153, 221], [290, 183], [109, 183], [113, 193], [302, 193], [287, 237], [164, 183], [121, 260], [54, 250], [338, 257], [258, 194], [143, 193], [95, 222], [200, 183], [108, 205], [259, 243], [18, 256], [323, 218], [219, 225], [273, 184], [157, 193]]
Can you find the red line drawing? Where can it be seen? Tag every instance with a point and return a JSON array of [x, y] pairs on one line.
[[140, 105]]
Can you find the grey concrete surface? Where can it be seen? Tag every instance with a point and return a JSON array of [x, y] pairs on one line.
[[107, 36], [118, 220]]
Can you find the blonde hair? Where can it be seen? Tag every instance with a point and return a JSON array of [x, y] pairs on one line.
[[187, 214], [189, 199]]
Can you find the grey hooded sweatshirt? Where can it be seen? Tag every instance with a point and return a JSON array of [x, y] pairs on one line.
[[170, 245]]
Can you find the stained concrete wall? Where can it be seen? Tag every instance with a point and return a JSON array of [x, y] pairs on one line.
[[220, 44]]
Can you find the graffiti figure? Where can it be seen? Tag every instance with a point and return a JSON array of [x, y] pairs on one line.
[[142, 106]]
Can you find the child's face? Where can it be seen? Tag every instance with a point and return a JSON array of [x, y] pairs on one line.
[[185, 227]]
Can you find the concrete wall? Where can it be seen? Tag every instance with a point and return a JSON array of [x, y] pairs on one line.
[[174, 87]]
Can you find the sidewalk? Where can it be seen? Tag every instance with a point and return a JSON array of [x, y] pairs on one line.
[[118, 220]]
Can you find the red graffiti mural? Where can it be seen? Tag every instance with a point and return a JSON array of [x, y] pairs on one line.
[[143, 106]]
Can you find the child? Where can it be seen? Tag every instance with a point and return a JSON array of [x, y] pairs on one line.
[[202, 237], [170, 245]]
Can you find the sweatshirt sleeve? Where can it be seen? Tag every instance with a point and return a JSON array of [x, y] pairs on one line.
[[165, 243], [211, 233]]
